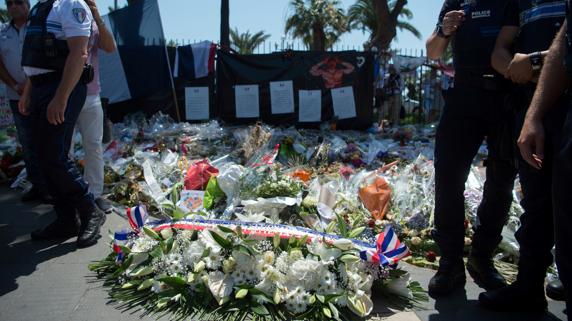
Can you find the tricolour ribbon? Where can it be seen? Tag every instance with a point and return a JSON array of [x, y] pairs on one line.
[[389, 249], [120, 239], [137, 217]]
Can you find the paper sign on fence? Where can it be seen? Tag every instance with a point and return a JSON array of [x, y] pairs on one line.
[[247, 101], [310, 106], [197, 103], [344, 102], [282, 97]]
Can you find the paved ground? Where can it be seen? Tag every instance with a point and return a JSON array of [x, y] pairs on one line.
[[44, 281]]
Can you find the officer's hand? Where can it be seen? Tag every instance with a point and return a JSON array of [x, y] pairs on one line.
[[19, 88], [56, 111], [93, 8], [452, 21], [531, 142], [23, 106], [520, 69]]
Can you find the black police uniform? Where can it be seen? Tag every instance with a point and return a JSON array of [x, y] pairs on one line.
[[539, 21], [474, 110], [52, 142], [562, 189]]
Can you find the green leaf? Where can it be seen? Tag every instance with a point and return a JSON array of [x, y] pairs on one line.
[[142, 271], [173, 281], [223, 242], [303, 241], [226, 229], [156, 252], [260, 310], [348, 258], [178, 214], [356, 232], [327, 312], [168, 245], [321, 298], [331, 228], [335, 312], [342, 227], [276, 240], [277, 297], [244, 250], [312, 299], [241, 294], [152, 234], [130, 284], [145, 285]]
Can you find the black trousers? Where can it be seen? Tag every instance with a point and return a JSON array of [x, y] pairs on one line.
[[536, 232], [52, 144], [472, 114], [563, 208]]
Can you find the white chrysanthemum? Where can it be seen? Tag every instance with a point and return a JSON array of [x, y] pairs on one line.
[[325, 254], [328, 284], [297, 301], [174, 263], [193, 254], [283, 262], [143, 244], [307, 273]]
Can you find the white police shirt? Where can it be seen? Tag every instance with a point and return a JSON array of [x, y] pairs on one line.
[[11, 43], [68, 18]]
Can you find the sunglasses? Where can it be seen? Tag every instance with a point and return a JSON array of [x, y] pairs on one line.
[[15, 2]]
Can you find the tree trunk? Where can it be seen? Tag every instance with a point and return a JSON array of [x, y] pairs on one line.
[[318, 38], [387, 24], [225, 24]]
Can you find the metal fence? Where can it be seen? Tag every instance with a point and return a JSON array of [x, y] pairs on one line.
[[424, 87]]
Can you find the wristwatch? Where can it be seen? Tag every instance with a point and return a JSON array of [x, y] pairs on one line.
[[536, 61], [440, 32]]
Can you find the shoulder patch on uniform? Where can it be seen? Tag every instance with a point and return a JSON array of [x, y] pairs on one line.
[[79, 14]]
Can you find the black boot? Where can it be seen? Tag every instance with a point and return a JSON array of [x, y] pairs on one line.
[[515, 297], [33, 194], [57, 230], [91, 222], [449, 277], [555, 290], [485, 274]]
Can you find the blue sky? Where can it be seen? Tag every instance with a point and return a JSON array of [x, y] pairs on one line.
[[199, 19]]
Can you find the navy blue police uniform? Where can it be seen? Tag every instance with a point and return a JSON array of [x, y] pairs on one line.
[[44, 56], [474, 111], [562, 189]]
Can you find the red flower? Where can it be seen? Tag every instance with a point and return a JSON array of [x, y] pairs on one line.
[[431, 256]]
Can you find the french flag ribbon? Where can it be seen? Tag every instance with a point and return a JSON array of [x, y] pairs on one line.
[[389, 249], [120, 239], [137, 217]]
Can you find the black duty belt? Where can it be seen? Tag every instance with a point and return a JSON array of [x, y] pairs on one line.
[[41, 79], [486, 81]]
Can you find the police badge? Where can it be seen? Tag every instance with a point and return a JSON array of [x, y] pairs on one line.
[[79, 14]]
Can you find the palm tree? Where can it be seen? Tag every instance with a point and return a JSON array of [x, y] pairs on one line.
[[245, 43], [362, 16], [224, 23], [381, 19], [318, 23]]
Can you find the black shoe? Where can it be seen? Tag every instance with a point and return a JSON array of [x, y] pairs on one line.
[[555, 290], [514, 298], [91, 223], [449, 277], [57, 230], [104, 205], [485, 274], [33, 194]]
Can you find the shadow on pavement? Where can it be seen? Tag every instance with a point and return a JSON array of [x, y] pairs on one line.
[[456, 307], [19, 255]]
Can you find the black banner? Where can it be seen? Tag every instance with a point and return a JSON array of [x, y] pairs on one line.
[[308, 71]]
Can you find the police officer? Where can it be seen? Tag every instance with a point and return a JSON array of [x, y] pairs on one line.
[[555, 80], [12, 74], [523, 43], [54, 54], [474, 109]]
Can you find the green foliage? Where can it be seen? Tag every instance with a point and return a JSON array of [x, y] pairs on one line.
[[318, 23], [245, 43]]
